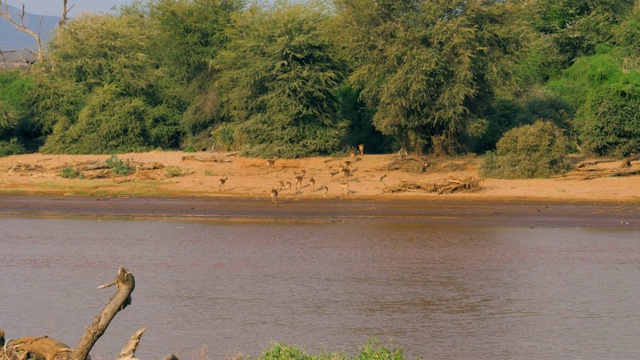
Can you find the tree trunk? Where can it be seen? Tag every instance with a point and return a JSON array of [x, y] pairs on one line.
[[125, 284], [45, 348]]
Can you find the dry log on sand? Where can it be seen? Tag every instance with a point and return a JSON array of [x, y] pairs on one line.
[[594, 174], [24, 168], [102, 164], [446, 186], [408, 164], [45, 348], [205, 159]]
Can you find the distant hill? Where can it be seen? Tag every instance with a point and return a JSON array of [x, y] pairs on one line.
[[11, 39]]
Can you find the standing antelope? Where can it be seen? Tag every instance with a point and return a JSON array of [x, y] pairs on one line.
[[299, 181], [352, 155], [272, 162], [312, 182], [344, 172], [344, 185], [221, 183], [361, 148], [274, 196]]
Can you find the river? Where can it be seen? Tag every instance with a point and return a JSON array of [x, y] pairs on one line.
[[439, 289]]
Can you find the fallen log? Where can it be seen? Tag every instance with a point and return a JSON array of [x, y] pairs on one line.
[[102, 164], [408, 164], [446, 186], [23, 168], [594, 173]]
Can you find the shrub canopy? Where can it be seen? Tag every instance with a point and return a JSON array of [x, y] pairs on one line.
[[530, 151]]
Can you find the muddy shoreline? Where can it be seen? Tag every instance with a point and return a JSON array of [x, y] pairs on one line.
[[446, 212]]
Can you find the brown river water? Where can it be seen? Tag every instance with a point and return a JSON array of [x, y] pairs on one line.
[[458, 281]]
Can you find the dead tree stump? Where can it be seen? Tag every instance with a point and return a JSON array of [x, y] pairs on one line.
[[45, 348]]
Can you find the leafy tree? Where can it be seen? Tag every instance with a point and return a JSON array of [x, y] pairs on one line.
[[15, 121], [531, 151], [107, 123], [99, 70], [505, 114], [428, 67], [93, 50], [191, 34], [54, 101], [605, 96], [277, 79], [609, 122], [577, 27], [194, 29], [7, 117], [359, 116]]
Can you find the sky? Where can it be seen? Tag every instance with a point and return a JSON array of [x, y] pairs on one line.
[[54, 7]]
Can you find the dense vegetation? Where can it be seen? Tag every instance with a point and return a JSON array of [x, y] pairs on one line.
[[370, 351], [292, 79]]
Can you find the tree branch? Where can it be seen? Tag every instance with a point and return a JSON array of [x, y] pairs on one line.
[[21, 26], [125, 284]]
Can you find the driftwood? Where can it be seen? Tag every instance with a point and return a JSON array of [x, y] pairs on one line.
[[446, 186], [408, 164], [24, 168], [205, 159], [45, 348], [594, 174], [591, 162], [587, 170], [129, 349], [102, 164]]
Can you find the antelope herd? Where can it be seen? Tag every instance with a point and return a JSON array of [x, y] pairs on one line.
[[305, 179]]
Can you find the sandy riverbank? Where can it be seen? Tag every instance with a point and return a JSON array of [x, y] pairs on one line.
[[371, 177]]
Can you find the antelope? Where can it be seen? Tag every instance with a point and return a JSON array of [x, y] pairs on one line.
[[272, 162], [361, 148], [347, 163], [326, 189], [274, 196], [344, 185], [333, 173], [281, 185], [344, 172], [312, 182], [352, 155], [299, 181], [221, 182], [287, 185]]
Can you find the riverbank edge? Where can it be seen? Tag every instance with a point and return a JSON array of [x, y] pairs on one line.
[[457, 212]]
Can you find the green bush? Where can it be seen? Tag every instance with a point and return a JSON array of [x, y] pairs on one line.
[[11, 147], [370, 351], [70, 172], [107, 123], [506, 114], [266, 139], [604, 90], [118, 166], [223, 137], [609, 122], [173, 171], [530, 151]]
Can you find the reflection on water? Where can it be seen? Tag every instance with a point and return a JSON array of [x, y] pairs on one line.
[[440, 292]]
